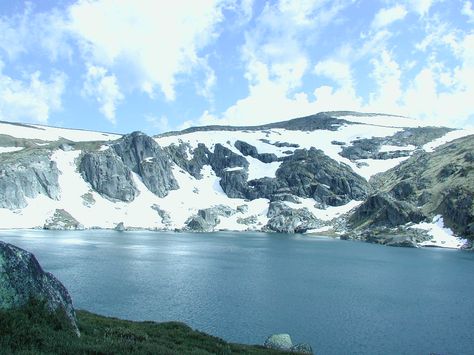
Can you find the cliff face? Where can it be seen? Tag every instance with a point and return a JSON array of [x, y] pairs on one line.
[[344, 171]]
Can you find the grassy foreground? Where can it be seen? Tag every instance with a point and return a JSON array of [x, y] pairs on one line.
[[34, 330]]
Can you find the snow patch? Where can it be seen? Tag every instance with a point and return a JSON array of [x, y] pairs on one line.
[[441, 236], [384, 120], [53, 133], [258, 169], [394, 148], [448, 137], [10, 149]]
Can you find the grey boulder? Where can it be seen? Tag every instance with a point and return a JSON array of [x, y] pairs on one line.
[[22, 279]]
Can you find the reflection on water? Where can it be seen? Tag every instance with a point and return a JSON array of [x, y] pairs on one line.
[[342, 297]]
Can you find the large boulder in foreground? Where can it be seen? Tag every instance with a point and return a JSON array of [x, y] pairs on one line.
[[22, 279]]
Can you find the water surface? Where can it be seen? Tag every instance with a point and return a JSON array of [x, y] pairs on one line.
[[341, 297]]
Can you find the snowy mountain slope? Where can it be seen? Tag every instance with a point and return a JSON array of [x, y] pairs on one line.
[[308, 173]]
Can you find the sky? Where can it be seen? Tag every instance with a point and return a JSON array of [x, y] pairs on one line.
[[159, 65]]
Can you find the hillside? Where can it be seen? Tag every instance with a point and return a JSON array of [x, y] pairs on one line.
[[327, 173]]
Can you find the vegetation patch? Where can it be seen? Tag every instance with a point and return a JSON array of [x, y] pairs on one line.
[[34, 330]]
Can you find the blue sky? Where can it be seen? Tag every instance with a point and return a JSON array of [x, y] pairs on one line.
[[155, 65]]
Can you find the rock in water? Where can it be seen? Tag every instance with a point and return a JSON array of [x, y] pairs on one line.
[[22, 278], [279, 342], [302, 349]]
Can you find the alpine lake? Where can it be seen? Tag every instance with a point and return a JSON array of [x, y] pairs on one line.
[[341, 297]]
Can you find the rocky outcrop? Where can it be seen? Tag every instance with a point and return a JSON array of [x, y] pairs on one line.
[[285, 219], [142, 155], [249, 150], [382, 210], [283, 342], [223, 159], [435, 183], [27, 175], [370, 148], [108, 175], [208, 218], [22, 279], [311, 173], [191, 163], [61, 220]]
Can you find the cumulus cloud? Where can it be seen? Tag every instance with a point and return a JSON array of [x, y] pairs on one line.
[[104, 89], [276, 60], [30, 99], [468, 11], [387, 16], [422, 7], [154, 41]]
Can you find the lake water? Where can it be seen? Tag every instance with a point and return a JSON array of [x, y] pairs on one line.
[[342, 297]]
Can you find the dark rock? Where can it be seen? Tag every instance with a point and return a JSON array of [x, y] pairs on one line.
[[383, 210], [234, 183], [224, 158], [311, 173], [22, 279], [199, 158], [457, 209], [142, 155], [108, 175]]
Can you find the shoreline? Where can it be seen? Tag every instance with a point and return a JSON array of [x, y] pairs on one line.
[[330, 235]]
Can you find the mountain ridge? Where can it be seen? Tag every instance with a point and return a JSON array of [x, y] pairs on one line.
[[309, 174]]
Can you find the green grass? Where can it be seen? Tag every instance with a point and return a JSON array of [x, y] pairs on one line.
[[34, 330]]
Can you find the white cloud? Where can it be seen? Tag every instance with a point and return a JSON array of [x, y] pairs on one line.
[[422, 7], [161, 124], [387, 16], [30, 99], [338, 71], [152, 41], [28, 31], [468, 11], [104, 89], [387, 77]]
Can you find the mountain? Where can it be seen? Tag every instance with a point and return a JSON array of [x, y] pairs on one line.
[[381, 178]]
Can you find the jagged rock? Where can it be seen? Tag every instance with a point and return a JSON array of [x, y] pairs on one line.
[[208, 218], [285, 219], [22, 278], [165, 216], [61, 220], [265, 188], [242, 208], [279, 342], [248, 221], [120, 227], [382, 210], [302, 348], [457, 209], [199, 158], [108, 175], [234, 183], [142, 155], [311, 173], [27, 176], [249, 150], [224, 158]]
